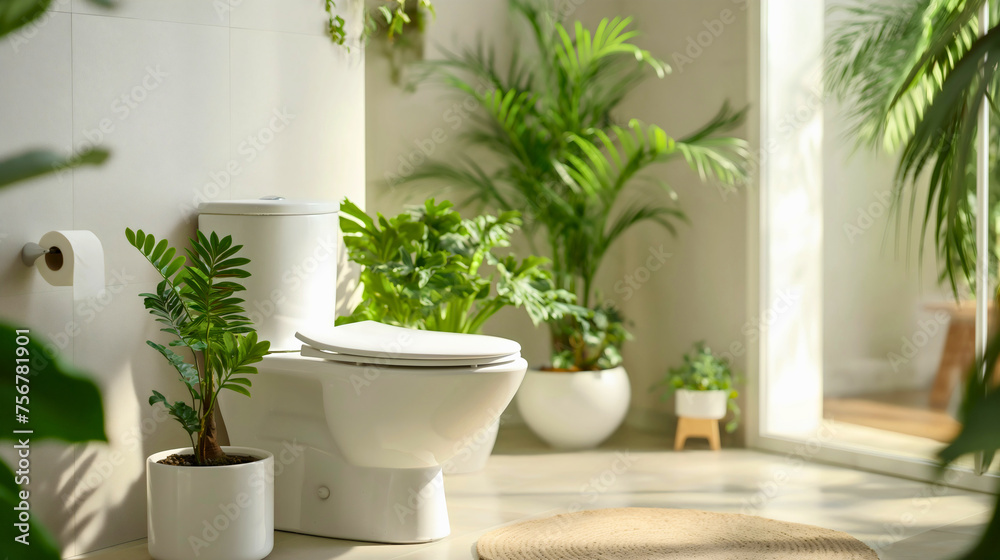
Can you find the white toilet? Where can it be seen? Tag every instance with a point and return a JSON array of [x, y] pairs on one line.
[[361, 420]]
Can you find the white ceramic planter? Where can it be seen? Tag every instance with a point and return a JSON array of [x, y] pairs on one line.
[[473, 455], [210, 513], [576, 410], [701, 404]]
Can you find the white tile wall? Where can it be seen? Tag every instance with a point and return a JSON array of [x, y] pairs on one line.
[[282, 121], [36, 102], [156, 94], [194, 88], [204, 12], [302, 16], [699, 292], [61, 6]]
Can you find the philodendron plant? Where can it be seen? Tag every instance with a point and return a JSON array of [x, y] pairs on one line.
[[430, 269], [701, 370], [589, 340], [197, 304]]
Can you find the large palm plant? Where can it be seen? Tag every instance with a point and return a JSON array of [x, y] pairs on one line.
[[914, 86], [566, 160]]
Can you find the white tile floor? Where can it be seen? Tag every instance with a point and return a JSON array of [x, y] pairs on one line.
[[901, 519]]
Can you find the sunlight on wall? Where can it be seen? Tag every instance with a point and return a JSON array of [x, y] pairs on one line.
[[793, 178]]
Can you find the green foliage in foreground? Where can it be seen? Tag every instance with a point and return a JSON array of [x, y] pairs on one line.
[[63, 403]]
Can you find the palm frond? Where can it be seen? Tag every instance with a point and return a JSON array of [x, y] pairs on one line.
[[581, 53], [563, 160], [889, 59], [912, 78], [946, 135]]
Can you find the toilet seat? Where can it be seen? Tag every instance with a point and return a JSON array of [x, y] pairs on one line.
[[371, 343], [310, 352]]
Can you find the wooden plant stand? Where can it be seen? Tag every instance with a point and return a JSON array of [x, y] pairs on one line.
[[959, 353], [697, 427]]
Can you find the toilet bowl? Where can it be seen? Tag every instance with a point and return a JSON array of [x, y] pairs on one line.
[[359, 446], [361, 417]]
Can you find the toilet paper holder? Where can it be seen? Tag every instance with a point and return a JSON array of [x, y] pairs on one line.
[[32, 251]]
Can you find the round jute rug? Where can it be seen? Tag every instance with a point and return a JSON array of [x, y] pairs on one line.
[[675, 534]]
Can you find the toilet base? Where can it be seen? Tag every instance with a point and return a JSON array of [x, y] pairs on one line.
[[320, 494]]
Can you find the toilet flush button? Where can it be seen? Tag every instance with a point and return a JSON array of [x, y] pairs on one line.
[[323, 493]]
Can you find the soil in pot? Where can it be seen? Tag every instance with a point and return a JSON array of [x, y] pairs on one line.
[[188, 461]]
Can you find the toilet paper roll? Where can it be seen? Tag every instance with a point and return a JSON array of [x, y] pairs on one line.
[[78, 263]]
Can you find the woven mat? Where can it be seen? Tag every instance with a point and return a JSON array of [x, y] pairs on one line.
[[677, 534]]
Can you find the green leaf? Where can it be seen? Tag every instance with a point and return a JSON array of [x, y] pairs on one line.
[[912, 78], [41, 545], [237, 389], [184, 414], [18, 13], [158, 251], [35, 163], [188, 372], [64, 404]]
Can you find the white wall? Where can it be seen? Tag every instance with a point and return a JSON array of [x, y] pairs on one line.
[[183, 91], [699, 293]]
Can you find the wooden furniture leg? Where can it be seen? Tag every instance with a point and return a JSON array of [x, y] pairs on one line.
[[957, 357], [697, 427]]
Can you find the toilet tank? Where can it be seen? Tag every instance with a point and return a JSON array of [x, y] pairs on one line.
[[292, 247]]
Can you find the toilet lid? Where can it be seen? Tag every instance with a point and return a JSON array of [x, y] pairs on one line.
[[376, 343]]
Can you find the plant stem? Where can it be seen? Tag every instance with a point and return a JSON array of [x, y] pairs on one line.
[[208, 449]]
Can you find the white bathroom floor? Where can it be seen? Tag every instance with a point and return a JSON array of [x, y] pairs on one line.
[[902, 519]]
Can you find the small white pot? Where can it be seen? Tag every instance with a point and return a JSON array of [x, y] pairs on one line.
[[701, 404], [472, 456], [574, 410], [210, 513]]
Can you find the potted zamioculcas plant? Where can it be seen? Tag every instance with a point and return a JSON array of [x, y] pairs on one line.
[[428, 268], [703, 386], [559, 148], [205, 501]]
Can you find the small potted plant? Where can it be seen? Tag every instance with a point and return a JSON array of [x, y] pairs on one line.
[[205, 501], [703, 387], [428, 268]]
